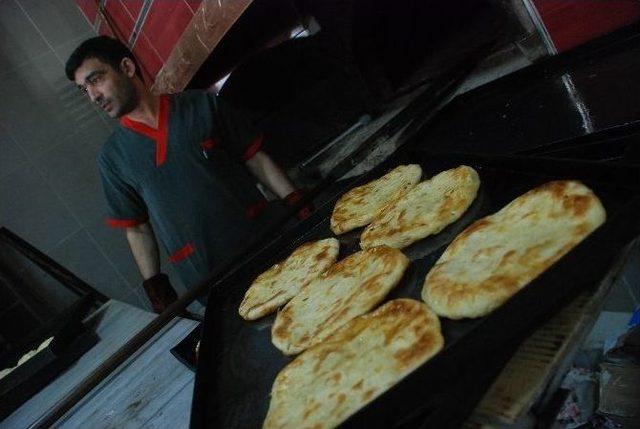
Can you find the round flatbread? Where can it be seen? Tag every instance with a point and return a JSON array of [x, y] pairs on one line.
[[331, 381], [276, 286], [347, 289], [424, 210], [361, 205], [498, 255]]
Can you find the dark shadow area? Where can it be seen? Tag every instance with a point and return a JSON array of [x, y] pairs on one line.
[[304, 91]]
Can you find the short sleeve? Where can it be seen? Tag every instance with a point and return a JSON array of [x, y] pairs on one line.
[[124, 205], [238, 134]]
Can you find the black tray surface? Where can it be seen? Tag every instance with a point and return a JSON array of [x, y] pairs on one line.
[[238, 363], [62, 327], [185, 350], [28, 379]]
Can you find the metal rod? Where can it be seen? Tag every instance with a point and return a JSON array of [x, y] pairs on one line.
[[362, 121]]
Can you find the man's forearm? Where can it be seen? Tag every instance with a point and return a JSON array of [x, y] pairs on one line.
[[272, 176], [144, 248]]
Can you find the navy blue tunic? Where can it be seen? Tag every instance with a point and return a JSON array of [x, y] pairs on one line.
[[188, 178]]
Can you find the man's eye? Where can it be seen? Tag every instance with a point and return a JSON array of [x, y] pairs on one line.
[[96, 79]]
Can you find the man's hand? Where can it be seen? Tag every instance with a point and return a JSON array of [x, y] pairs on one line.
[[271, 175], [160, 292]]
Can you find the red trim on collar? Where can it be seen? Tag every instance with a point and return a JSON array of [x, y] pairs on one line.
[[160, 135], [253, 148], [182, 253], [124, 223], [163, 129]]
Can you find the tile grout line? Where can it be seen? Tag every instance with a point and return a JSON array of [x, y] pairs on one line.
[[30, 160], [15, 67], [51, 47], [86, 18], [153, 48], [152, 45], [99, 247], [37, 29], [64, 204], [77, 133], [139, 22], [16, 144]]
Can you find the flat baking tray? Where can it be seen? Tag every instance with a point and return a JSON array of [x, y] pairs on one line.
[[71, 339], [238, 363], [185, 350]]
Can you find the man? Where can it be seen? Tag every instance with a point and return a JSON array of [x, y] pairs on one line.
[[186, 163]]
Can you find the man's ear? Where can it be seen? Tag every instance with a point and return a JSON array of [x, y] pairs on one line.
[[128, 67]]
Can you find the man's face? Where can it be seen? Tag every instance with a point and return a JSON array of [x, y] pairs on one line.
[[110, 89]]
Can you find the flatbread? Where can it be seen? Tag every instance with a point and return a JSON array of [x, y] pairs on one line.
[[331, 381], [424, 210], [26, 357], [276, 286], [361, 205], [347, 289], [498, 255]]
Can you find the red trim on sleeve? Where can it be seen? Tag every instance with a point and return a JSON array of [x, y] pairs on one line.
[[124, 223], [253, 148], [182, 253], [209, 144], [160, 135]]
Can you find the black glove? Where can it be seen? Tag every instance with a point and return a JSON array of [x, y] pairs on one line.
[[160, 292], [294, 198]]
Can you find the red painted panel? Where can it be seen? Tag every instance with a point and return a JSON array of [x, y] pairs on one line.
[[120, 18], [148, 59], [89, 8], [105, 30], [133, 7], [573, 22], [165, 23]]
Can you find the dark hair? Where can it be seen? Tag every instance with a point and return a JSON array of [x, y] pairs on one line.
[[106, 49]]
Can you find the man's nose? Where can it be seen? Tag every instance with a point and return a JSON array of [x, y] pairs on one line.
[[93, 93]]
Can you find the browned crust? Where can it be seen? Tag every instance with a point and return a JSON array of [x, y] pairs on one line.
[[456, 298]]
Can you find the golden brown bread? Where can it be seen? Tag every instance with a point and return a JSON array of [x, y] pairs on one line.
[[276, 286], [347, 289], [424, 210], [498, 255], [331, 381], [361, 205]]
